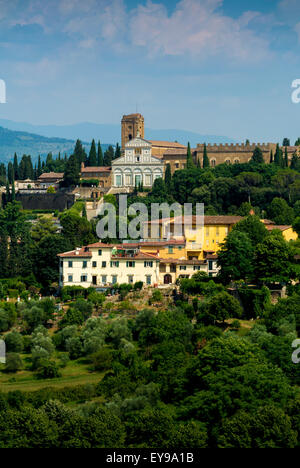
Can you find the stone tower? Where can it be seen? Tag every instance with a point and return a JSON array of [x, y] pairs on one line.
[[132, 126]]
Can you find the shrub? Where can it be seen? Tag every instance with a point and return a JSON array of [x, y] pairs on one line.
[[14, 363], [48, 370], [102, 360]]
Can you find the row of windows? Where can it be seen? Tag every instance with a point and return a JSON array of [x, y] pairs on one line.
[[113, 264], [104, 280], [228, 161]]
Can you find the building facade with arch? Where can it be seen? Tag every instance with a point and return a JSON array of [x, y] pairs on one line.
[[136, 166]]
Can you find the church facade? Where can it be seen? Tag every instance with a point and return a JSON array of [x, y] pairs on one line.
[[136, 166]]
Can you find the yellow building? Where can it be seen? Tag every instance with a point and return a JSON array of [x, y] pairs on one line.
[[287, 231], [200, 241]]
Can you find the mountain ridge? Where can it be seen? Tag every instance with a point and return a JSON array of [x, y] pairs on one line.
[[111, 133]]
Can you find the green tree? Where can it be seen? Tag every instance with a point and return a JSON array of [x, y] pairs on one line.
[[274, 260], [92, 161], [258, 156], [189, 158], [168, 177], [280, 212], [253, 227], [71, 174], [235, 258], [100, 162], [14, 342], [205, 158], [13, 363]]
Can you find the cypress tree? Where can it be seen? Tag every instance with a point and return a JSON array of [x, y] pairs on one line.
[[7, 194], [16, 167], [71, 175], [278, 158], [117, 152], [205, 157], [100, 155], [168, 177], [294, 162], [109, 156], [13, 192], [189, 158], [39, 168], [92, 161], [286, 158], [258, 156], [10, 172], [271, 157], [84, 213], [79, 153]]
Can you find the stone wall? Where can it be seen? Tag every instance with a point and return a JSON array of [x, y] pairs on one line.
[[46, 201]]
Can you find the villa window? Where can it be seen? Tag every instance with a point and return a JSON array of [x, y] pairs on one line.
[[70, 264], [148, 264], [94, 264], [84, 264], [114, 279], [148, 280], [130, 279], [70, 279], [83, 278]]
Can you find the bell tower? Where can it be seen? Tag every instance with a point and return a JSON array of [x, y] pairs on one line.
[[132, 126]]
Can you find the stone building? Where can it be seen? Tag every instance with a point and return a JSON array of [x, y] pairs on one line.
[[136, 165], [102, 174], [132, 125], [233, 153]]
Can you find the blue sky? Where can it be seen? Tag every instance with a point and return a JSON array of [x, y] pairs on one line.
[[211, 66]]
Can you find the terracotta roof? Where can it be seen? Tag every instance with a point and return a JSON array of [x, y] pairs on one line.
[[175, 151], [78, 253], [208, 220], [96, 169], [267, 221], [52, 175], [155, 243], [273, 226], [137, 256], [212, 257], [99, 245], [166, 144], [179, 261]]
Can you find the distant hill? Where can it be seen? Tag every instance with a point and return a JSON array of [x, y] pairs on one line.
[[22, 142], [110, 133]]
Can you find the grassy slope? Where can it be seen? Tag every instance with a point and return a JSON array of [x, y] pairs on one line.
[[75, 373]]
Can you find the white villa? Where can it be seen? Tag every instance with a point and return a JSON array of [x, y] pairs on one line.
[[102, 265], [136, 166]]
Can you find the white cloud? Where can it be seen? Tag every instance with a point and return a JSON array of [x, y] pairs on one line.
[[196, 27]]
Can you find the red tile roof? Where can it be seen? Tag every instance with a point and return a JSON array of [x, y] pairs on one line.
[[52, 175], [166, 144], [208, 220], [76, 253], [179, 261], [271, 227], [99, 245], [171, 242], [95, 169]]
